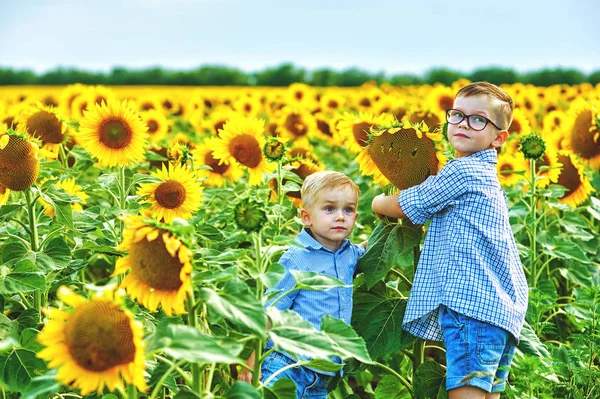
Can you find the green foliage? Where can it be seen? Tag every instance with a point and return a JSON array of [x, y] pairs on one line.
[[286, 74]]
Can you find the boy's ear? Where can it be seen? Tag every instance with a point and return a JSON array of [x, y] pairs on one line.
[[305, 216], [500, 138]]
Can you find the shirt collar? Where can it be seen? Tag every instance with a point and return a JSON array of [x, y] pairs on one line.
[[307, 241], [489, 156]]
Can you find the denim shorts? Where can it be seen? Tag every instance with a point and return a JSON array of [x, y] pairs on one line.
[[477, 354], [309, 384]]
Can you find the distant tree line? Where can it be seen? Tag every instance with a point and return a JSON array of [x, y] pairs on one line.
[[287, 73]]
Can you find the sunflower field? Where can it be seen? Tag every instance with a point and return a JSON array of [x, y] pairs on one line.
[[141, 227]]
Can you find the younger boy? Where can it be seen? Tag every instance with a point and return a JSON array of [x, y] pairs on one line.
[[329, 201], [469, 286]]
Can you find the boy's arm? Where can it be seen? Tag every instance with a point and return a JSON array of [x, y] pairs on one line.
[[387, 205]]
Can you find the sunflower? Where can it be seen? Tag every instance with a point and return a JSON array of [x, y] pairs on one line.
[[67, 96], [302, 95], [552, 128], [101, 94], [44, 123], [248, 104], [113, 133], [19, 163], [242, 141], [177, 195], [431, 119], [508, 165], [355, 128], [302, 167], [295, 123], [217, 118], [520, 123], [573, 178], [217, 175], [551, 168], [80, 104], [332, 101], [583, 131], [439, 99], [159, 264], [4, 194], [157, 123], [402, 154], [149, 104], [97, 344]]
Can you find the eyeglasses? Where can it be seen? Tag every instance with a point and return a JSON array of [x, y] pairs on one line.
[[475, 122]]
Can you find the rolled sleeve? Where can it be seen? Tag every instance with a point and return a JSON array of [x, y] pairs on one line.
[[419, 203]]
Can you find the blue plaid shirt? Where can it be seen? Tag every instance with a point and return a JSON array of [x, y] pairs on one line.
[[314, 257], [469, 260]]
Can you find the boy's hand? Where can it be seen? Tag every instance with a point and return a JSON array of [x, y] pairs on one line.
[[246, 375]]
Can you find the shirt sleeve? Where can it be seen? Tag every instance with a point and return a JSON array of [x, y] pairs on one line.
[[284, 285], [419, 203]]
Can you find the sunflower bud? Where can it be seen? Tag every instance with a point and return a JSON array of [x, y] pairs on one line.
[[274, 149], [532, 146], [19, 164], [249, 215]]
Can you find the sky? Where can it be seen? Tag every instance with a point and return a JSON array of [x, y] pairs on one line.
[[372, 35]]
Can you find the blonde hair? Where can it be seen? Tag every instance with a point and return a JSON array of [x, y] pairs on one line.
[[324, 180], [503, 109]]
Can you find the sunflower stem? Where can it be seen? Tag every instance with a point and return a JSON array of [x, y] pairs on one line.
[[35, 245], [280, 195], [172, 366], [122, 196], [63, 156], [132, 392], [193, 322], [399, 377], [533, 210], [209, 379]]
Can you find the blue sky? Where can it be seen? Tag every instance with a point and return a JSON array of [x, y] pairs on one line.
[[389, 36]]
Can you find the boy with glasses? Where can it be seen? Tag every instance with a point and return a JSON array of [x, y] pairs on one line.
[[469, 288]]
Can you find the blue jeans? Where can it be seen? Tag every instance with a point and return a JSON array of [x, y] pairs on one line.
[[309, 384], [477, 354]]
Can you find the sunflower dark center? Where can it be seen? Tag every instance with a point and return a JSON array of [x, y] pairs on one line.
[[582, 136], [214, 164], [19, 166], [46, 126], [299, 95], [333, 104], [146, 106], [365, 102], [115, 134], [403, 158], [2, 189], [99, 336], [446, 102], [219, 125], [295, 125], [569, 177], [152, 126], [515, 127], [361, 132], [152, 264], [246, 150], [170, 194], [324, 127]]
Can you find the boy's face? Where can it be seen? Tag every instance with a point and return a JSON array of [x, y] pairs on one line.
[[467, 141], [332, 215]]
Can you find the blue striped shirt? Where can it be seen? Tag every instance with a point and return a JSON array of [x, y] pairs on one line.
[[314, 257], [469, 260]]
